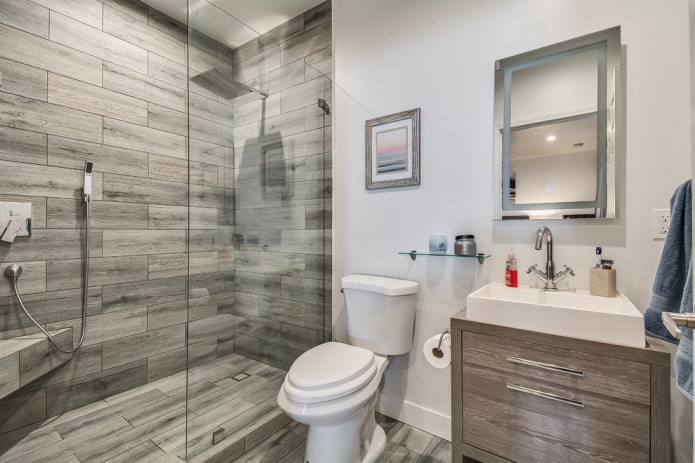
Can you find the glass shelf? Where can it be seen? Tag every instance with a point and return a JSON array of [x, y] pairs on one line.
[[413, 255]]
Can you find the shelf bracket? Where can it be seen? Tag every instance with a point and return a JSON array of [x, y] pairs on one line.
[[413, 255]]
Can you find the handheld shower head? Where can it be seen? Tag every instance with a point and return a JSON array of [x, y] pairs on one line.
[[87, 187]]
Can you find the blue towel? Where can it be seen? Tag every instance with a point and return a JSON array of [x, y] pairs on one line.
[[673, 285]]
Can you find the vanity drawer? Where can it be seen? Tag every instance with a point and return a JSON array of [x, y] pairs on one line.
[[614, 377], [503, 415]]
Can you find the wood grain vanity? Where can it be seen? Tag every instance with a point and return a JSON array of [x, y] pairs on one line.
[[527, 397]]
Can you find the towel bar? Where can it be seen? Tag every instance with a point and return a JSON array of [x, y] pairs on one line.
[[672, 321]]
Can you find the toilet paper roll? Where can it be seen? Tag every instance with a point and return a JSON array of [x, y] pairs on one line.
[[432, 343]]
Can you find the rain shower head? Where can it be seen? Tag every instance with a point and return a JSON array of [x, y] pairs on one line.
[[216, 82]]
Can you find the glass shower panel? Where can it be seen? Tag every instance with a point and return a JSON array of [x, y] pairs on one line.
[[259, 220]]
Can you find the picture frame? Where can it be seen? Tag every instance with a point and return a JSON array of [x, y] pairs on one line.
[[392, 150]]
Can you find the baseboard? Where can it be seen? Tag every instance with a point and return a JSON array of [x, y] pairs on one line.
[[417, 416]]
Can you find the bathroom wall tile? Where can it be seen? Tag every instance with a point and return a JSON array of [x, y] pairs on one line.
[[23, 80], [210, 240], [85, 361], [22, 146], [208, 328], [33, 278], [67, 273], [85, 11], [202, 352], [130, 189], [69, 213], [167, 70], [167, 24], [166, 119], [202, 60], [208, 196], [204, 129], [142, 86], [253, 111], [202, 307], [281, 78], [208, 284], [25, 15], [268, 59], [211, 110], [9, 374], [252, 48], [210, 153], [41, 358], [167, 314], [82, 391], [297, 121], [50, 244], [168, 266], [257, 283], [168, 217], [114, 325], [48, 308], [38, 206], [35, 51], [167, 363], [302, 95], [139, 33], [270, 217], [316, 34], [136, 137], [139, 242], [134, 8], [141, 346], [129, 295], [168, 168], [321, 60], [67, 152], [28, 114], [94, 99], [203, 218], [22, 409], [89, 40], [202, 174], [203, 262]]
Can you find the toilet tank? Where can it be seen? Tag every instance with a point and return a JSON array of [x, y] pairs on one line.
[[380, 312]]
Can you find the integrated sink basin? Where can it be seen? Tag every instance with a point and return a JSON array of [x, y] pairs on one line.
[[577, 314]]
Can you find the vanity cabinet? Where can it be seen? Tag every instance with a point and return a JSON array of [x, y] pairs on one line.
[[527, 397]]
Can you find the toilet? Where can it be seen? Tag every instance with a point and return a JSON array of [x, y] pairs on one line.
[[333, 388]]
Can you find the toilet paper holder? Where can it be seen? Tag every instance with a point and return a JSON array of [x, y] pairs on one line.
[[437, 351]]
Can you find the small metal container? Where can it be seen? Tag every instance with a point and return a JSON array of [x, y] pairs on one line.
[[465, 244]]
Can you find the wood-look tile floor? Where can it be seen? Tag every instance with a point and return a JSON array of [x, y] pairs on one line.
[[148, 423], [406, 444]]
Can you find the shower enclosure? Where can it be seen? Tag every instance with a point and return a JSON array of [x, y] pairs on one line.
[[259, 218], [210, 251]]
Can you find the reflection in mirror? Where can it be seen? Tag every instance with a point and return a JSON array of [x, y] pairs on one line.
[[555, 130]]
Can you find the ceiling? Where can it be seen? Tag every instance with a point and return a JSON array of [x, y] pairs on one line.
[[234, 22]]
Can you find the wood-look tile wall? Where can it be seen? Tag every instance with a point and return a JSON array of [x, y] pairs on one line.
[[106, 80], [282, 191]]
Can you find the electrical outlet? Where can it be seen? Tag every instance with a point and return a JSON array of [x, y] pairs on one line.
[[660, 224]]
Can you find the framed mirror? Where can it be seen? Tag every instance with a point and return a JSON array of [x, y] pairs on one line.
[[556, 121]]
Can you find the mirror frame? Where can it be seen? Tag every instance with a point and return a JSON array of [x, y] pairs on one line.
[[607, 44]]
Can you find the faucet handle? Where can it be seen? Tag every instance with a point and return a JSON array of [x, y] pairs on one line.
[[532, 268], [568, 269]]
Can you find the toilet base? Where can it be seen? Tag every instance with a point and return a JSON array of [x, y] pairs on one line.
[[376, 446]]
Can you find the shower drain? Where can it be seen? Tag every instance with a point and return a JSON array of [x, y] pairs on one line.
[[240, 376]]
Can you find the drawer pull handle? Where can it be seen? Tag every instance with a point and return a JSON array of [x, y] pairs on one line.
[[546, 366], [546, 395]]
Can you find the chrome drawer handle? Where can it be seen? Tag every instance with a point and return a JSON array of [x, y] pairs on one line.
[[546, 395], [546, 366]]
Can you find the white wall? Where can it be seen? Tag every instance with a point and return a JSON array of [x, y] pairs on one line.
[[394, 55]]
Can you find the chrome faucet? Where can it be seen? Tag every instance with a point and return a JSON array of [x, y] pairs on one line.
[[549, 277]]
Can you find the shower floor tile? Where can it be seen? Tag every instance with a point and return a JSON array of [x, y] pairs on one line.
[[148, 423]]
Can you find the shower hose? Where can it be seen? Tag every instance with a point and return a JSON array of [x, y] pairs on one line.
[[85, 291]]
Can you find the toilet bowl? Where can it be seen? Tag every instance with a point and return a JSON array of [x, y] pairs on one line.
[[333, 387]]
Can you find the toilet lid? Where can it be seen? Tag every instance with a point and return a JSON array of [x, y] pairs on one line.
[[329, 371]]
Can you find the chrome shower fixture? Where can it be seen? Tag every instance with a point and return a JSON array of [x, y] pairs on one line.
[[214, 81], [87, 187]]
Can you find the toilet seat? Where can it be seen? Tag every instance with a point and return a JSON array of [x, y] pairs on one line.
[[329, 371]]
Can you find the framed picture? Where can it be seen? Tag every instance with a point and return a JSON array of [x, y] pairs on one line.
[[393, 150]]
